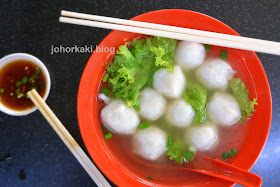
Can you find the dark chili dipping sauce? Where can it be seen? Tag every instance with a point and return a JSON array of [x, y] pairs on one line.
[[16, 79]]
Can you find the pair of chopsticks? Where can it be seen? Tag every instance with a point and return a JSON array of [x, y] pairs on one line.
[[178, 33], [69, 141]]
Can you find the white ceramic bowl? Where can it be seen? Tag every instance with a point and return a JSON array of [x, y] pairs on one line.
[[23, 56]]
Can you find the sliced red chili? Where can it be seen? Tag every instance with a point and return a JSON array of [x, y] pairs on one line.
[[23, 89]]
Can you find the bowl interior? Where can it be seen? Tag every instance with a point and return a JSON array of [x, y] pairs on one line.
[[110, 157]]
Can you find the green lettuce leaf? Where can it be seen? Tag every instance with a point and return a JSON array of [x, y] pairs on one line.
[[179, 153], [196, 96], [134, 66], [242, 96]]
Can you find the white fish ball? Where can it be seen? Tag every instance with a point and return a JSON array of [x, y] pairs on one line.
[[223, 109], [189, 55], [170, 84], [215, 73], [179, 113], [202, 137], [149, 143], [119, 117], [152, 104]]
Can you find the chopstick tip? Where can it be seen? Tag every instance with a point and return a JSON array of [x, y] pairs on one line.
[[29, 93], [60, 19], [62, 12]]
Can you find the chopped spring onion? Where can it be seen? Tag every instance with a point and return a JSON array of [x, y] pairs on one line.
[[24, 80], [144, 125], [18, 84], [105, 77], [105, 91], [230, 153], [149, 177], [104, 129], [108, 136], [207, 46], [32, 79], [38, 71], [169, 141], [223, 54], [2, 90]]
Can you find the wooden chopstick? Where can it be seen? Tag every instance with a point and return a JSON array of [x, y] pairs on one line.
[[167, 28], [177, 33], [69, 141]]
